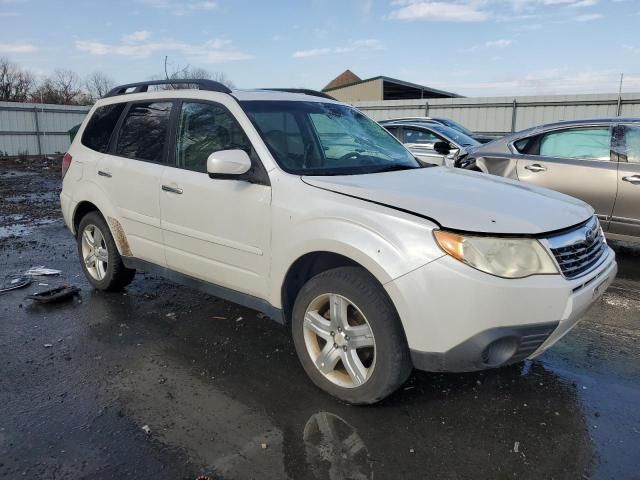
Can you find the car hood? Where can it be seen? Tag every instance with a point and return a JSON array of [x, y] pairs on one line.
[[463, 200]]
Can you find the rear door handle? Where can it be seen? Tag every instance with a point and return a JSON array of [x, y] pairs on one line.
[[536, 168], [635, 179], [102, 173], [167, 188]]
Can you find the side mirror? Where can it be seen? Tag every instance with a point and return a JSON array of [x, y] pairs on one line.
[[443, 148], [228, 163]]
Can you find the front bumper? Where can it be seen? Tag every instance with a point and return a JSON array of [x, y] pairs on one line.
[[459, 319]]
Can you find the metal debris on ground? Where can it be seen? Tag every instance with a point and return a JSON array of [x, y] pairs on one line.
[[516, 447], [55, 294], [146, 429], [14, 283], [41, 271]]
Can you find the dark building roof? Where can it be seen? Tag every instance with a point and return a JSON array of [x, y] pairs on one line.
[[346, 77], [394, 89]]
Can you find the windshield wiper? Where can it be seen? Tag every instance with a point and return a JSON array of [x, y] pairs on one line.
[[393, 168]]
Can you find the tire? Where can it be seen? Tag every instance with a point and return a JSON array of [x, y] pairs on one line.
[[104, 268], [372, 349]]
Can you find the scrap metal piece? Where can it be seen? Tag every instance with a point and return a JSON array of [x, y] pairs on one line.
[[14, 283], [42, 271], [56, 294]]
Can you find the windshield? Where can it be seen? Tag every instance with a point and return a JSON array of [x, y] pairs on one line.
[[456, 126], [458, 137], [313, 138]]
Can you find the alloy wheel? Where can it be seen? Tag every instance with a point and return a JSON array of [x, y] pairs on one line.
[[94, 252], [339, 340]]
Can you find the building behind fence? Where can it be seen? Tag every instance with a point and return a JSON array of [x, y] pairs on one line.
[[34, 129]]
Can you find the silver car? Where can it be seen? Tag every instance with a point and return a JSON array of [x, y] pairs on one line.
[[597, 161], [432, 143]]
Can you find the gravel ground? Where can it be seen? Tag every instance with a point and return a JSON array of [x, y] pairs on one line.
[[163, 382]]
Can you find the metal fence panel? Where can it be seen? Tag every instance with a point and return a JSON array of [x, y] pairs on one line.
[[37, 129], [502, 115]]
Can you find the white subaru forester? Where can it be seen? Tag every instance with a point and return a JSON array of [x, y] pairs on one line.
[[301, 207]]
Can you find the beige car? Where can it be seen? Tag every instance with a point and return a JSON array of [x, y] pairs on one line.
[[597, 161]]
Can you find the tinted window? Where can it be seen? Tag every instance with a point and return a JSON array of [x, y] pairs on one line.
[[581, 143], [632, 144], [395, 131], [412, 135], [282, 134], [100, 127], [143, 133], [203, 129]]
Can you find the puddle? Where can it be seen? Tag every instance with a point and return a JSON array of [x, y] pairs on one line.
[[20, 229], [32, 197], [16, 174]]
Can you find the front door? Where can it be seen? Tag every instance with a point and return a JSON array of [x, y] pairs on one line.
[[420, 143], [131, 174], [626, 213], [215, 230], [575, 161]]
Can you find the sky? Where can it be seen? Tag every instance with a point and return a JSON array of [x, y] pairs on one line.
[[471, 47]]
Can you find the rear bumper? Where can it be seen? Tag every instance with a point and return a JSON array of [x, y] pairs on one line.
[[67, 205], [459, 319]]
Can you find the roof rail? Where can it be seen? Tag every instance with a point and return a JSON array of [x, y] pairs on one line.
[[203, 84], [304, 91]]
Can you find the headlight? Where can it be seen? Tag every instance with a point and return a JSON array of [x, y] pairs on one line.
[[503, 257]]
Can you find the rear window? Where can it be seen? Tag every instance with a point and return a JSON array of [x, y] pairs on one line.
[[100, 127], [143, 133]]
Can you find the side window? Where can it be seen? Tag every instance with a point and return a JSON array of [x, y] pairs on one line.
[[395, 131], [143, 134], [283, 135], [203, 129], [579, 143], [412, 135], [632, 143], [98, 131]]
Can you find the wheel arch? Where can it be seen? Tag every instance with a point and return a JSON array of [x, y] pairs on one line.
[[309, 265]]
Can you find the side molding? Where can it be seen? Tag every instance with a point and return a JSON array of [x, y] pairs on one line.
[[225, 293]]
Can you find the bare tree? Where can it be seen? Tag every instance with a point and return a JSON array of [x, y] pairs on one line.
[[15, 83], [97, 85], [63, 88], [189, 72]]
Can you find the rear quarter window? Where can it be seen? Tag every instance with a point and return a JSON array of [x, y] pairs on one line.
[[98, 131]]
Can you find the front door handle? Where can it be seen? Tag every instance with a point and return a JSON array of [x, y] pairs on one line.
[[167, 188], [536, 168], [102, 173], [635, 179]]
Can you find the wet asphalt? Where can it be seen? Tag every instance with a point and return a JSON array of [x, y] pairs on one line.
[[164, 382]]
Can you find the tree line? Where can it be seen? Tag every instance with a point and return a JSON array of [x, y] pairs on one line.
[[65, 87]]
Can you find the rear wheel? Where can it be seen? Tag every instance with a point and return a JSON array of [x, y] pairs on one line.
[[348, 336], [99, 257]]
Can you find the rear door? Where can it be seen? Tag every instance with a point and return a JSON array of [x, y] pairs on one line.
[[626, 213], [131, 172], [578, 161], [420, 142]]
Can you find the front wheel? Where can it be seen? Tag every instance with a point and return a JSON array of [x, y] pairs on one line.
[[348, 336], [99, 257]]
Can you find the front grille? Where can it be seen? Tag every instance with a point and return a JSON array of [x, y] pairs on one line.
[[579, 251]]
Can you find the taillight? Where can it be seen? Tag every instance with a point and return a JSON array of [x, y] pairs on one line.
[[66, 163]]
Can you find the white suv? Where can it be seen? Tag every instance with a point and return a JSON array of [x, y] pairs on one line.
[[301, 207]]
